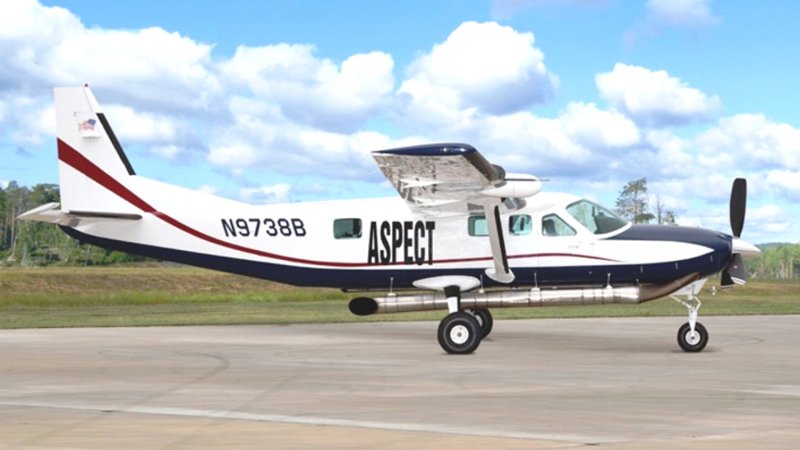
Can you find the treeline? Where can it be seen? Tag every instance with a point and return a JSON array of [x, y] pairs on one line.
[[776, 261], [26, 243]]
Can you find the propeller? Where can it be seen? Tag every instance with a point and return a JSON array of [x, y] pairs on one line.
[[734, 273], [738, 205]]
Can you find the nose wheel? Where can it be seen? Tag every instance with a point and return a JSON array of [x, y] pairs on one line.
[[692, 341]]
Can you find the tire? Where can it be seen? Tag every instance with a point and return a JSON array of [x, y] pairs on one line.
[[485, 320], [689, 343], [459, 333]]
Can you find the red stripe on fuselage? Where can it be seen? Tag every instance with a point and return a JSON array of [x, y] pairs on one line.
[[70, 156]]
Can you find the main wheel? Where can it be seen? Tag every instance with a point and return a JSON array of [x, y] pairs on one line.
[[692, 342], [485, 320], [459, 333]]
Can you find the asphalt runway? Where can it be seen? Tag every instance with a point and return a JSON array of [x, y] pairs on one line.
[[556, 383]]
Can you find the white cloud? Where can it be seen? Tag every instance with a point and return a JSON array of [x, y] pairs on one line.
[[143, 127], [595, 128], [314, 91], [30, 119], [673, 158], [786, 182], [261, 138], [654, 97], [681, 13], [166, 151], [480, 68], [164, 135], [767, 219], [750, 141], [160, 76], [278, 193], [46, 46], [661, 15]]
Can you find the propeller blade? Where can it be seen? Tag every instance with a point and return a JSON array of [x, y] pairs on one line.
[[734, 273], [726, 281], [738, 205]]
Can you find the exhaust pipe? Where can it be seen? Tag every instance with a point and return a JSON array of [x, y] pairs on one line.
[[364, 306]]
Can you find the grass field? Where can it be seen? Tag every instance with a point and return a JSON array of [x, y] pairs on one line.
[[168, 295]]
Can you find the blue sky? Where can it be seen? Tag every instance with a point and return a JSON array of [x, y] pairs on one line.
[[284, 100]]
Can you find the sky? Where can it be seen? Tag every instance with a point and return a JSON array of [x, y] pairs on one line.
[[283, 101]]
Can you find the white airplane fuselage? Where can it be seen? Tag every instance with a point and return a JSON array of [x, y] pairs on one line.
[[294, 243]]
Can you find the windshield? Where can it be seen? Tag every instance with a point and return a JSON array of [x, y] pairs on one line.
[[594, 217]]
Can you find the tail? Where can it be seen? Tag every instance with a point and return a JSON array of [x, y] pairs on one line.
[[92, 167], [90, 157]]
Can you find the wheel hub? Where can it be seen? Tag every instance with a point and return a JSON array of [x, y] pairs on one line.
[[459, 334], [692, 337]]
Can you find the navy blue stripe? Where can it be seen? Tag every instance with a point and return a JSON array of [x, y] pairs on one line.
[[378, 278], [699, 236], [444, 149]]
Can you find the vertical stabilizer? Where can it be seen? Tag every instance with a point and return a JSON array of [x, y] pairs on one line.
[[89, 153]]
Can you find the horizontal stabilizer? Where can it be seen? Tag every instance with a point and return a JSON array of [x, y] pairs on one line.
[[50, 213]]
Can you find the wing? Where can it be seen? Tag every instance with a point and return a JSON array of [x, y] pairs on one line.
[[442, 179], [446, 179]]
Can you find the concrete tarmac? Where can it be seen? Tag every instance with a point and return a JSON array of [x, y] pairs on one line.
[[556, 383]]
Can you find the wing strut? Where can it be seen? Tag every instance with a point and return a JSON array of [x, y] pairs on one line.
[[500, 273]]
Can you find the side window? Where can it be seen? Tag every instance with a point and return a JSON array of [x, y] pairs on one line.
[[552, 225], [476, 225], [347, 228], [520, 224]]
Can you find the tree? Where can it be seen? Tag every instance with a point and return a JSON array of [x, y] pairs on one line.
[[664, 216], [633, 205], [632, 202]]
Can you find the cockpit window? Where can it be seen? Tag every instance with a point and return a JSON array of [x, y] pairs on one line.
[[594, 217], [552, 225]]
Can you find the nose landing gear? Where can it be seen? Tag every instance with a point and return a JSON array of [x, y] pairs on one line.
[[692, 336]]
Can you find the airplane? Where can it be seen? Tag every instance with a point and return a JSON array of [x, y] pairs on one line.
[[463, 235]]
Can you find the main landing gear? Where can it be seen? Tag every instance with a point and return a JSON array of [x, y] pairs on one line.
[[692, 336], [461, 332]]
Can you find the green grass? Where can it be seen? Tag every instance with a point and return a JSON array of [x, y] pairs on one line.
[[165, 295]]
